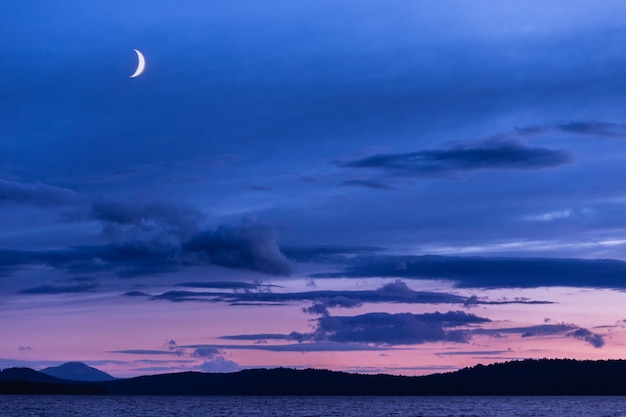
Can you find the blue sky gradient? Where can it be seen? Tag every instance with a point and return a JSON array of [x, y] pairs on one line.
[[321, 177]]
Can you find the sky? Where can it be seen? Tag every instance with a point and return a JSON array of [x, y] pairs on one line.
[[398, 186]]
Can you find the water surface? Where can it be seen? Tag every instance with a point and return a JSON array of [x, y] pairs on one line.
[[226, 406]]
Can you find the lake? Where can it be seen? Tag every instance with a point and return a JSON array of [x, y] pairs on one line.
[[147, 406]]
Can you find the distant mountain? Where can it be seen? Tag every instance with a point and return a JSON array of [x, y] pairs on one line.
[[528, 377], [77, 371]]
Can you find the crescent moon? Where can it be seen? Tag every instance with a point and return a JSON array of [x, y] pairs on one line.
[[141, 65]]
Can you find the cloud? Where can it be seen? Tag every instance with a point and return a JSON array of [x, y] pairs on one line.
[[491, 272], [80, 287], [219, 365], [367, 184], [227, 285], [258, 337], [24, 348], [146, 216], [251, 246], [492, 154], [394, 292], [248, 247], [322, 306], [542, 330], [308, 347], [594, 339], [136, 294], [212, 357], [144, 352], [594, 128], [328, 253], [328, 297], [37, 194], [396, 329], [387, 329], [207, 351], [472, 352]]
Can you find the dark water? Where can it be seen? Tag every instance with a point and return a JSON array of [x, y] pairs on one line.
[[136, 406]]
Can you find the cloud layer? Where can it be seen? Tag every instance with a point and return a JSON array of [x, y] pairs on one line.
[[487, 155]]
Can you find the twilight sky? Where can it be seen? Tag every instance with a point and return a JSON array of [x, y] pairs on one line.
[[401, 186]]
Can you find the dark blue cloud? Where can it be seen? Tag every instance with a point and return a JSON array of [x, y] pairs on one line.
[[227, 285], [541, 330], [492, 272], [399, 294], [37, 194], [396, 329], [136, 294], [594, 128], [250, 246], [407, 328], [327, 253], [376, 185], [594, 339], [393, 292], [66, 288], [146, 216], [486, 155]]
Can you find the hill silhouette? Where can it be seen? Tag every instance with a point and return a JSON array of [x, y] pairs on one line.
[[77, 371], [527, 377], [29, 381]]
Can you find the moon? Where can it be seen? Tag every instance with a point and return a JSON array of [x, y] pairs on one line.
[[141, 65]]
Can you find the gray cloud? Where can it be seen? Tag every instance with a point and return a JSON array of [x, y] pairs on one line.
[[493, 154]]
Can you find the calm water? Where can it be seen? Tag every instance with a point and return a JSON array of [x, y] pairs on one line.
[[111, 406]]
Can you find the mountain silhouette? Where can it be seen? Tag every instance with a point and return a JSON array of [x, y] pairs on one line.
[[29, 381], [527, 377], [77, 371], [27, 374]]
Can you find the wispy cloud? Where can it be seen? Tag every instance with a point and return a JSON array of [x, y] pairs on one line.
[[542, 330], [64, 288], [491, 272], [376, 185], [37, 194], [393, 292], [493, 154]]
